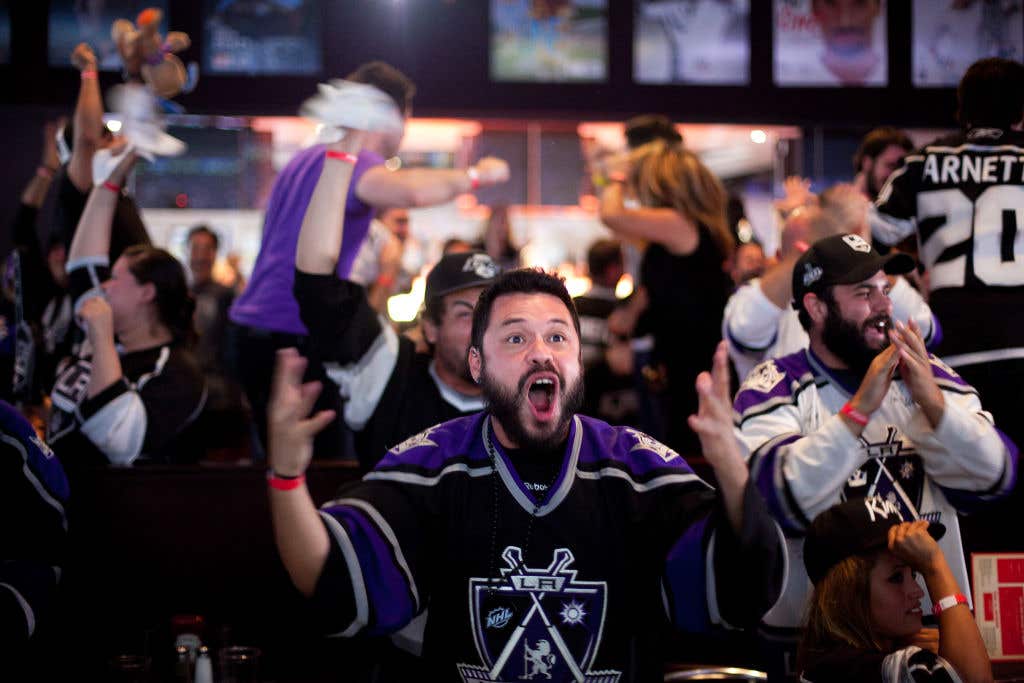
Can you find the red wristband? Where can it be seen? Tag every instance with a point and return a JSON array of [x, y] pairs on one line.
[[89, 73], [45, 172], [474, 177], [849, 411], [284, 483], [949, 601], [801, 246], [116, 189], [342, 156]]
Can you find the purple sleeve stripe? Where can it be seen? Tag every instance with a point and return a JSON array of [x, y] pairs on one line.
[[747, 399], [766, 470], [972, 501], [387, 589], [936, 336], [954, 381], [686, 580]]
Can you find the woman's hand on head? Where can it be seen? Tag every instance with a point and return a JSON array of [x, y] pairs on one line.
[[911, 542]]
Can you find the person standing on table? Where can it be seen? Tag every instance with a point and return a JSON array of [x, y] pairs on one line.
[[522, 508], [266, 315], [963, 196], [864, 410], [865, 613]]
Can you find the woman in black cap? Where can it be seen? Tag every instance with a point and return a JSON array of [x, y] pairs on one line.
[[865, 613]]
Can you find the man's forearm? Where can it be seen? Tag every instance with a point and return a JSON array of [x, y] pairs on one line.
[[322, 226], [300, 536], [106, 365], [777, 282], [88, 131], [412, 187], [92, 237]]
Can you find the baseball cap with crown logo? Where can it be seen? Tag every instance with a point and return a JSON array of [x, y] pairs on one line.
[[844, 259]]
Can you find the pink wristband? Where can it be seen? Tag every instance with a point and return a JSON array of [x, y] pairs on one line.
[[947, 602], [284, 483], [849, 411], [89, 73], [342, 156], [45, 172], [474, 177]]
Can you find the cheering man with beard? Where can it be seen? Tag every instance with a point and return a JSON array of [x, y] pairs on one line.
[[864, 410], [543, 542]]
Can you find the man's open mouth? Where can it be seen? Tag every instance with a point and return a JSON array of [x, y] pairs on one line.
[[542, 390]]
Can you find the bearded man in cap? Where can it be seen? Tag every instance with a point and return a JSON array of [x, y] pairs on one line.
[[864, 410]]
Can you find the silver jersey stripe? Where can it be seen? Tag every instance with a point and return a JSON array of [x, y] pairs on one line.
[[30, 615], [355, 572], [639, 487], [36, 484], [560, 493], [424, 480]]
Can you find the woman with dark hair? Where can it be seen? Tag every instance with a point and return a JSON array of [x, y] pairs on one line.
[[682, 218], [864, 620], [137, 398]]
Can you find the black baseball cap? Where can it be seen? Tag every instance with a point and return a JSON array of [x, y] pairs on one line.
[[852, 528], [460, 271], [844, 259]]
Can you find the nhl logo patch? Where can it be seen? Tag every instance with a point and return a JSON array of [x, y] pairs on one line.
[[537, 623]]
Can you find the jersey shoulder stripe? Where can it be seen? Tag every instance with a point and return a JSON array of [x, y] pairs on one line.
[[774, 382], [437, 447], [626, 449]]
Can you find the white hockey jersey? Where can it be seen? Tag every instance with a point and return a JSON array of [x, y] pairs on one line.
[[804, 459]]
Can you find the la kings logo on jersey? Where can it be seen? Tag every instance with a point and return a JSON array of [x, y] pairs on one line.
[[417, 440], [893, 473], [763, 378], [68, 393], [537, 623], [647, 443]]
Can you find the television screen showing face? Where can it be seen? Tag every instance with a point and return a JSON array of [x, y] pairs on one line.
[[549, 40], [89, 21], [263, 37], [831, 43], [949, 37], [692, 41]]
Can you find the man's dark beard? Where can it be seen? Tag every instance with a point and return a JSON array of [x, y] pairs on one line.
[[504, 406], [846, 340]]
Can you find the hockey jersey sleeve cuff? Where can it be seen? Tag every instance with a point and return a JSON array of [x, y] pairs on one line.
[[743, 596], [342, 325], [90, 406], [751, 318]]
